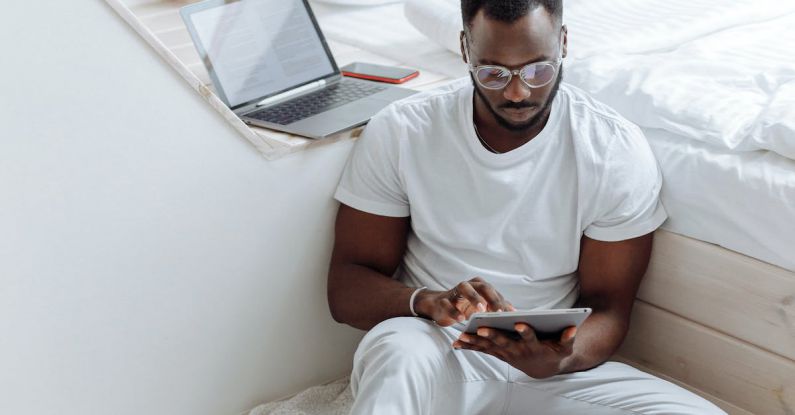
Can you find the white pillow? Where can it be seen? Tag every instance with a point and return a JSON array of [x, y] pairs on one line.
[[440, 20], [358, 2]]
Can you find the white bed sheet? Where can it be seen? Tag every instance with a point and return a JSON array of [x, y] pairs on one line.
[[744, 202]]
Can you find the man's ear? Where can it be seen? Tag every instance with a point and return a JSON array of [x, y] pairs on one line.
[[565, 40], [462, 39]]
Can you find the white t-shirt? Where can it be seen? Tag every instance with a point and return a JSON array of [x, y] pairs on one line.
[[514, 219]]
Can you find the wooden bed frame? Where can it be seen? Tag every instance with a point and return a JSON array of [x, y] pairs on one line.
[[719, 323], [711, 320]]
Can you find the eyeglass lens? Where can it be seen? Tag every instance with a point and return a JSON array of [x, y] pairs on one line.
[[535, 75]]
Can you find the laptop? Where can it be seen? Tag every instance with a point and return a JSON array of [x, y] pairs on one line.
[[269, 62]]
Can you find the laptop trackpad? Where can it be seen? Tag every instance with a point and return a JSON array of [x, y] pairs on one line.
[[339, 119], [363, 109], [353, 113], [333, 119]]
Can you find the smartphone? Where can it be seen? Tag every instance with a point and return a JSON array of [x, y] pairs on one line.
[[548, 324], [380, 73]]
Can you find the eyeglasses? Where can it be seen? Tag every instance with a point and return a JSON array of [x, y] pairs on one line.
[[534, 75]]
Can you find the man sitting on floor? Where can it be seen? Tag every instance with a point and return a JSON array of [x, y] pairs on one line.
[[508, 189]]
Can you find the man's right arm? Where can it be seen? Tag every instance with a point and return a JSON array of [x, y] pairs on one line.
[[368, 249]]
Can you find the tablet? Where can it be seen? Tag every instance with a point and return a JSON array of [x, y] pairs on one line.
[[548, 324]]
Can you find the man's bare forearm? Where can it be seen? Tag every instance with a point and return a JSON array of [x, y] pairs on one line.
[[362, 298], [597, 339]]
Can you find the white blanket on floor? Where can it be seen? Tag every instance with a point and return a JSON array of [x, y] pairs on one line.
[[334, 398]]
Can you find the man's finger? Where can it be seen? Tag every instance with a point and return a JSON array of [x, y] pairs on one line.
[[494, 299], [496, 336], [444, 321], [475, 340], [527, 332], [468, 292], [567, 338], [463, 305]]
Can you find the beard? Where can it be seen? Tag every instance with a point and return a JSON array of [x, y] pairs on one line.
[[534, 121]]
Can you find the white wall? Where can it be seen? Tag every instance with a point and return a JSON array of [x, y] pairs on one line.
[[150, 258]]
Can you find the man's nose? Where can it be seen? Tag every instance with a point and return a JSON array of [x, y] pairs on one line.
[[516, 90]]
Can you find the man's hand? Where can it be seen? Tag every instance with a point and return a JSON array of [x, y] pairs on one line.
[[538, 359], [458, 304]]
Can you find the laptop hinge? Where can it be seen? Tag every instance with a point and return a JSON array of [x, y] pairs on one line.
[[293, 92]]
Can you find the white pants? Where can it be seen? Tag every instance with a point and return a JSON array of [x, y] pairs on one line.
[[407, 366]]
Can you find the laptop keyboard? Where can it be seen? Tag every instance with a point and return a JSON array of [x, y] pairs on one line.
[[332, 96]]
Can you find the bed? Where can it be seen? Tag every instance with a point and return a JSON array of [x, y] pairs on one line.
[[738, 200], [712, 84]]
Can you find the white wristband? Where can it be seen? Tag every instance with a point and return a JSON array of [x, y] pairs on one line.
[[411, 301]]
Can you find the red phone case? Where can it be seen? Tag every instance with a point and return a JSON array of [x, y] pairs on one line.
[[381, 79]]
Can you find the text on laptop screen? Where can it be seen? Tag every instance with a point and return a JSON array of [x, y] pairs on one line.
[[258, 47]]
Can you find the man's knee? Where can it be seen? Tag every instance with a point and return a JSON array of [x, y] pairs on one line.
[[405, 339], [407, 345], [400, 348]]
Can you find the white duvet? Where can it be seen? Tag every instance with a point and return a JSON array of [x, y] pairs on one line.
[[734, 88], [717, 71]]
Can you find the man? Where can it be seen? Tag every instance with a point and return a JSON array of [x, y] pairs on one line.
[[506, 190]]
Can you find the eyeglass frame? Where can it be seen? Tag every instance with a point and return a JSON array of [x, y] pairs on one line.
[[512, 72]]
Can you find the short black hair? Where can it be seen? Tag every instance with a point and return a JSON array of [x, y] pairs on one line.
[[508, 10]]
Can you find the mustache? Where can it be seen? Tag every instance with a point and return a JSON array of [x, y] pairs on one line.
[[518, 105]]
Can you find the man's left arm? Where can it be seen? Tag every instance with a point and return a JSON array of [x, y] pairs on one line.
[[610, 274]]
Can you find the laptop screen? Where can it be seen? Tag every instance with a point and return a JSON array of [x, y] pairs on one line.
[[255, 48]]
